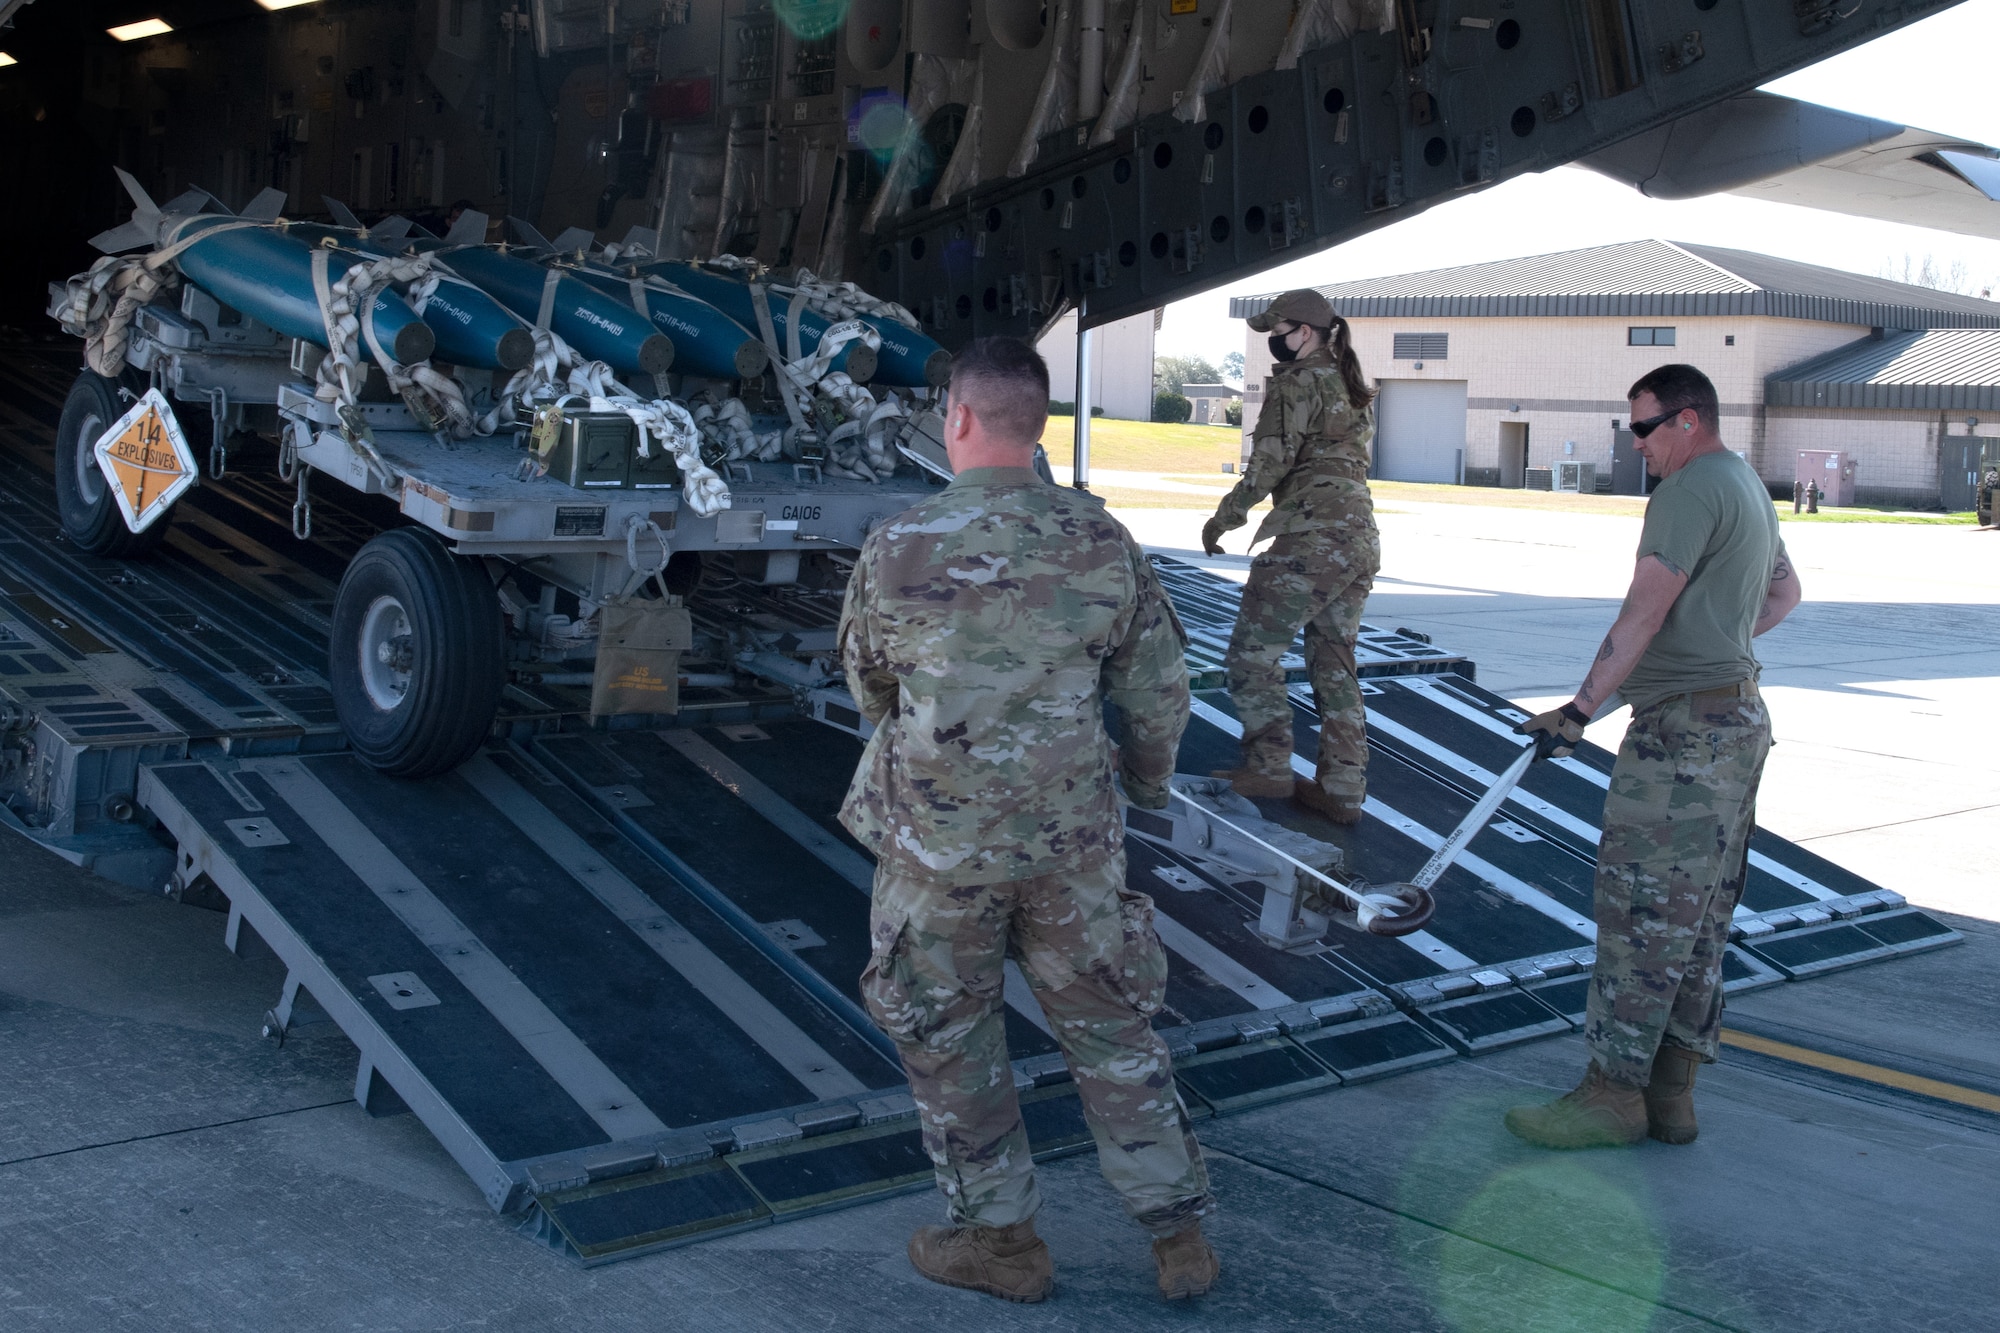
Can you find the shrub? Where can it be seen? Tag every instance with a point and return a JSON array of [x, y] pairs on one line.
[[1168, 406]]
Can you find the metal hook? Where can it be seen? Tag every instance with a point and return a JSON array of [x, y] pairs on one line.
[[634, 525], [288, 450], [302, 513], [218, 413]]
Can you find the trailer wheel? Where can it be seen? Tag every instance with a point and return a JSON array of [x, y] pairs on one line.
[[84, 502], [417, 655]]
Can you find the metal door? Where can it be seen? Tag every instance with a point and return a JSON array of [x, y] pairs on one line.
[[1628, 466], [1420, 430], [1514, 454], [1958, 473]]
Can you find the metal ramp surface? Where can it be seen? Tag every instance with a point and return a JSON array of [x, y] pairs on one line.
[[615, 972]]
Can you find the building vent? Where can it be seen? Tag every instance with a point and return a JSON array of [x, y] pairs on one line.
[[1422, 346]]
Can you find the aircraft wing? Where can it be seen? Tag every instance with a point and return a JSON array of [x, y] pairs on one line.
[[1929, 180], [1763, 146]]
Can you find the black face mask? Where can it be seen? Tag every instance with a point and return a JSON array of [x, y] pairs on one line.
[[1279, 350]]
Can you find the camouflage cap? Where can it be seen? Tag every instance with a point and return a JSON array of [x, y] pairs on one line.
[[1302, 306]]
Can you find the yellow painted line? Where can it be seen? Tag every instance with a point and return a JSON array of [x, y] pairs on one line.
[[1888, 1078]]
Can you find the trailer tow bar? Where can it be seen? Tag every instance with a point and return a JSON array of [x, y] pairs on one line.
[[1208, 822], [1475, 819]]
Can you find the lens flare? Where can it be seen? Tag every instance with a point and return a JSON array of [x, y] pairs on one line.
[[1546, 1244], [810, 20], [880, 127], [1564, 1214]]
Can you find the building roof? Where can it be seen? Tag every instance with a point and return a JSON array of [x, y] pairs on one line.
[[1210, 391], [1944, 370], [1652, 279]]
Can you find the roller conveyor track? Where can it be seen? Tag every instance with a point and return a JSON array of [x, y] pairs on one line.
[[615, 972]]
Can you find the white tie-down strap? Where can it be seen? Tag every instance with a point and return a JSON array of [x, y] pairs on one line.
[[540, 378], [843, 300], [660, 419], [810, 370], [348, 308], [550, 281], [100, 303], [666, 421], [864, 446], [340, 373], [727, 425]]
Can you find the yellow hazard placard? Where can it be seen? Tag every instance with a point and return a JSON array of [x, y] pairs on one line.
[[147, 461]]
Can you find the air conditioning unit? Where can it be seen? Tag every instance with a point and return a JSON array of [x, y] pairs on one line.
[[1576, 477]]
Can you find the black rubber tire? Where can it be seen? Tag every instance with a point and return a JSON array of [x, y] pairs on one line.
[[456, 655], [84, 503]]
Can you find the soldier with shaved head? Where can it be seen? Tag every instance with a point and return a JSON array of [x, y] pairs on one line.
[[984, 631]]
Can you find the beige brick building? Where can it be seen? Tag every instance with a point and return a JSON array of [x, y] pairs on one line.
[[1492, 372]]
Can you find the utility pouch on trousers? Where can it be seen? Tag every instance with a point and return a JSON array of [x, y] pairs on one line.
[[639, 646]]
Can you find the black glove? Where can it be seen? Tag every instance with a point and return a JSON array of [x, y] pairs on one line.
[[1211, 536], [1556, 732]]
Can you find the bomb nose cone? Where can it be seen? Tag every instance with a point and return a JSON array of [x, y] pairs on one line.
[[414, 343], [515, 350], [861, 362], [752, 360], [656, 354], [937, 369]]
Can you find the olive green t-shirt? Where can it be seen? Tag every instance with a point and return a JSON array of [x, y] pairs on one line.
[[1714, 521]]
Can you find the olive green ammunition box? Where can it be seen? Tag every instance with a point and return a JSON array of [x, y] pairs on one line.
[[658, 473]]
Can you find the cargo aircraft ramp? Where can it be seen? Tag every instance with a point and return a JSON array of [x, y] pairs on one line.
[[614, 972]]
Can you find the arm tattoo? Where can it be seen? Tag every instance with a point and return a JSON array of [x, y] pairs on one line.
[[1584, 692], [1782, 572]]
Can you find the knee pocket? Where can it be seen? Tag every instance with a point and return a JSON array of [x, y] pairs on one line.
[[909, 1001], [1141, 961]]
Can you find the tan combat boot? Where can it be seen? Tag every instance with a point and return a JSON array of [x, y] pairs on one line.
[[1599, 1113], [1010, 1262], [1670, 1095], [1188, 1266], [1258, 786], [1339, 809]]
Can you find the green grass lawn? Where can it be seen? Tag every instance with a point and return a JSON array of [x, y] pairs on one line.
[[1195, 454], [1146, 446], [1785, 515]]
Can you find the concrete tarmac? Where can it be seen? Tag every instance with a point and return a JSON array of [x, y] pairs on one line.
[[162, 1167]]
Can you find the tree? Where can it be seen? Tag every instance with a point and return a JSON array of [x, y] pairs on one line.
[[1925, 272], [1169, 406], [1173, 373], [1232, 367]]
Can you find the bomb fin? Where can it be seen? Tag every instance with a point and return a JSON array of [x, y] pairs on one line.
[[343, 216], [267, 206], [470, 229]]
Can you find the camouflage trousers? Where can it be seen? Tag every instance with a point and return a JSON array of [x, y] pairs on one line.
[[1087, 946], [1320, 580], [1670, 869]]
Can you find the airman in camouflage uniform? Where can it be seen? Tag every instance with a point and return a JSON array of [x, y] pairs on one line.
[[1670, 869], [984, 629], [1671, 861], [1310, 452]]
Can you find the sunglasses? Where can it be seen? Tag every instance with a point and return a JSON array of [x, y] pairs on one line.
[[1644, 428]]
